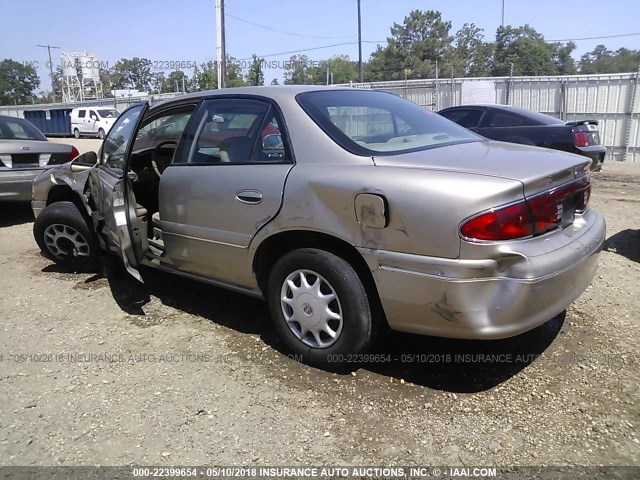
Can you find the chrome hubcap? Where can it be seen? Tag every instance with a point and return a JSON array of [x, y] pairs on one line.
[[311, 308], [64, 241]]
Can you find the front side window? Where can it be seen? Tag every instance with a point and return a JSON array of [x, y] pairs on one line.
[[465, 118], [166, 128], [235, 131], [115, 145], [378, 123]]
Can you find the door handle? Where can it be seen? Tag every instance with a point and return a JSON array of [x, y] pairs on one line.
[[249, 197]]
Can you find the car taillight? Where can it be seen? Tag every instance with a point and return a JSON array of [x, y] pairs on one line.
[[581, 139], [534, 216], [74, 153]]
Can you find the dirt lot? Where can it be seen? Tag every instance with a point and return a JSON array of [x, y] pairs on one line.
[[99, 369]]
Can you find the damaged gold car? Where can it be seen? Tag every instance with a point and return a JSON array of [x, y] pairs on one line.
[[347, 210]]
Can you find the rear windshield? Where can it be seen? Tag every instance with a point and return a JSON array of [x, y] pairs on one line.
[[108, 113], [19, 129], [368, 122]]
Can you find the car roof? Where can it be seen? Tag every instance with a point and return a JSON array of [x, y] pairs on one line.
[[9, 117], [530, 114], [276, 92]]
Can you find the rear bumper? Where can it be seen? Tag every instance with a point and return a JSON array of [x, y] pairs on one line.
[[488, 298], [596, 153], [15, 185]]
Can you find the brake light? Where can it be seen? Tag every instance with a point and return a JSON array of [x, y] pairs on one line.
[[74, 153], [534, 216], [581, 139]]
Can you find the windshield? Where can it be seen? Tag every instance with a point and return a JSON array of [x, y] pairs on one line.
[[110, 113], [19, 129], [378, 123]]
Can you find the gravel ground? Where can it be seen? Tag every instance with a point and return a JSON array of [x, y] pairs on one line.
[[99, 369]]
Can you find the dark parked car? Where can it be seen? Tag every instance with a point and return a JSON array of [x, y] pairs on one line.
[[24, 154], [518, 125]]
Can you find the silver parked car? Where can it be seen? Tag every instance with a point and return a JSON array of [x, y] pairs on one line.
[[345, 209], [24, 153]]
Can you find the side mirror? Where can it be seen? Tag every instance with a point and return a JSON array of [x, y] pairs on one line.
[[94, 118], [84, 162]]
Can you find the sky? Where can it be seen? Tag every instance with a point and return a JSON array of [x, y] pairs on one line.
[[174, 30]]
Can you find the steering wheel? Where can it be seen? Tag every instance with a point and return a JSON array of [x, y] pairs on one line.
[[155, 156]]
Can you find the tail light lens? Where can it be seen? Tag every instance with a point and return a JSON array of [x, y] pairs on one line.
[[534, 216], [74, 153], [581, 139]]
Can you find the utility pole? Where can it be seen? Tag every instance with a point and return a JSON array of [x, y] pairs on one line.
[[221, 47], [49, 47], [360, 74], [502, 14]]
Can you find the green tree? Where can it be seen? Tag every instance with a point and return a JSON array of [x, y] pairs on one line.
[[565, 64], [17, 82], [157, 82], [415, 45], [173, 82], [298, 71], [206, 76], [471, 55], [525, 49], [132, 73], [256, 74], [341, 69], [275, 82], [603, 60]]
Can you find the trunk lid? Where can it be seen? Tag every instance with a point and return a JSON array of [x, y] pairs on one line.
[[18, 153], [538, 169]]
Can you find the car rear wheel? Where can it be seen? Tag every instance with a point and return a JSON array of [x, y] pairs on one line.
[[320, 307], [76, 133], [64, 236], [101, 134]]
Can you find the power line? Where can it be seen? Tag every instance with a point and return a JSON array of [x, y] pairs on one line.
[[595, 38], [311, 49], [282, 31]]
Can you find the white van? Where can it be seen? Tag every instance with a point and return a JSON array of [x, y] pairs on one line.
[[92, 121]]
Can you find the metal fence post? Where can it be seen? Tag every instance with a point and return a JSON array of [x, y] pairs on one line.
[[634, 95]]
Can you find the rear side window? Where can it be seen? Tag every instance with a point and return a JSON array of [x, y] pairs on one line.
[[235, 131], [82, 113], [505, 119]]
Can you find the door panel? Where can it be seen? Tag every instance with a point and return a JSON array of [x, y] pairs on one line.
[[225, 184], [111, 192], [206, 226]]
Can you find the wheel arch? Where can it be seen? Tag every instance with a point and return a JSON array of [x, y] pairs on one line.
[[275, 246], [64, 193]]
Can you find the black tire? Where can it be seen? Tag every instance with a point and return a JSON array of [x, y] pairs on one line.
[[357, 330], [101, 134], [76, 133], [56, 225]]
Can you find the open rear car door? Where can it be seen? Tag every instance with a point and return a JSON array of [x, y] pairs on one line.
[[110, 185]]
